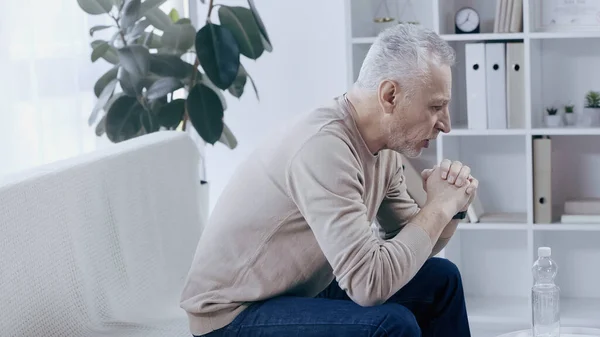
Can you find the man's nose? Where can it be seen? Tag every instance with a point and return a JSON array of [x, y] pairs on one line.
[[443, 124]]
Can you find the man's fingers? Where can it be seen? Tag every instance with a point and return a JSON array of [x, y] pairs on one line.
[[427, 172], [473, 185], [463, 176], [455, 169], [445, 167]]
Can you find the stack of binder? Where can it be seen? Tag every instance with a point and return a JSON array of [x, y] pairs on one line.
[[495, 85]]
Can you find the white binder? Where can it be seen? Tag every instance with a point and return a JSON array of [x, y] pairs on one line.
[[476, 85], [515, 84], [495, 73]]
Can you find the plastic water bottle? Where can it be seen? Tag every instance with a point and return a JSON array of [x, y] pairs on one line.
[[545, 296]]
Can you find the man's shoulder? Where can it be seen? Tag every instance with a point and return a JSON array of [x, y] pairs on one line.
[[319, 125]]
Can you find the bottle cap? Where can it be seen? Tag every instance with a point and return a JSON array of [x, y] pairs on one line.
[[544, 251]]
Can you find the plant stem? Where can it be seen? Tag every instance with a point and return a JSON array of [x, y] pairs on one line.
[[119, 28], [192, 84], [210, 7]]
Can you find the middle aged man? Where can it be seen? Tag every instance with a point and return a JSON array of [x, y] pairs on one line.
[[289, 249]]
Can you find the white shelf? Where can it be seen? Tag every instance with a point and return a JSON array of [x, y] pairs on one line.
[[566, 131], [566, 227], [495, 258], [493, 226], [462, 131], [483, 37], [506, 310], [564, 35]]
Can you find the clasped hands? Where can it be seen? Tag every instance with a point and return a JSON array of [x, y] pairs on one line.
[[454, 173]]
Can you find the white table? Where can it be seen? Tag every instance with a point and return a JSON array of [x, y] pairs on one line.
[[564, 332]]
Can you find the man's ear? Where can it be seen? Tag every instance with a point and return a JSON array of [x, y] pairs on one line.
[[388, 95]]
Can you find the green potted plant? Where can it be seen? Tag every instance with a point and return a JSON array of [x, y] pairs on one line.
[[592, 107], [570, 116], [167, 74], [552, 118]]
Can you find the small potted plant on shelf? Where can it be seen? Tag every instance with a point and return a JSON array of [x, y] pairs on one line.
[[552, 118], [570, 116], [592, 107]]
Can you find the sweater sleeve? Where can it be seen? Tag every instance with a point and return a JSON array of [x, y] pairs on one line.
[[397, 207], [324, 179]]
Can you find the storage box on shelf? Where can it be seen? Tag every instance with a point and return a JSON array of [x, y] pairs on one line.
[[566, 182], [577, 258]]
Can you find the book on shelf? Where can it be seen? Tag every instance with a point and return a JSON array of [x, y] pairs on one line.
[[585, 210], [509, 16], [495, 85]]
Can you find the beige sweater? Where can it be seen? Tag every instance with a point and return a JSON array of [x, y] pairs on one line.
[[297, 214]]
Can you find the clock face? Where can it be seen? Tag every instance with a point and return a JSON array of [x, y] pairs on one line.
[[467, 20]]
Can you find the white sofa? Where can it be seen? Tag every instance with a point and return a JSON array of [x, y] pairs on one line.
[[100, 245]]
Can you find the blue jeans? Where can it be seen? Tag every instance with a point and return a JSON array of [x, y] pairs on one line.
[[432, 304]]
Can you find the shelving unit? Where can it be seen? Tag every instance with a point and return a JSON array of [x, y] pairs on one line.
[[495, 258]]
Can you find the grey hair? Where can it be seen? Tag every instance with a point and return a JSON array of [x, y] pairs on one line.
[[404, 53]]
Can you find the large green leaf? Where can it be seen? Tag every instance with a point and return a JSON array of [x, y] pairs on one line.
[[99, 51], [97, 28], [112, 100], [132, 85], [95, 7], [150, 4], [101, 127], [205, 112], [123, 119], [137, 30], [170, 66], [179, 37], [110, 55], [261, 26], [102, 100], [149, 121], [206, 81], [105, 79], [162, 87], [159, 19], [237, 88], [228, 138], [135, 59], [171, 114], [130, 13], [218, 53], [151, 40], [240, 21]]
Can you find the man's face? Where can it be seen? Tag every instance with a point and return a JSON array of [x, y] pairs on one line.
[[414, 123]]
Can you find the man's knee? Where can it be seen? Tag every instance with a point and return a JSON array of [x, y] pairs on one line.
[[443, 267], [398, 321]]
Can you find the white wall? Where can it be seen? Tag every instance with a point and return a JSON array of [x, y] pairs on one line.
[[306, 67]]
